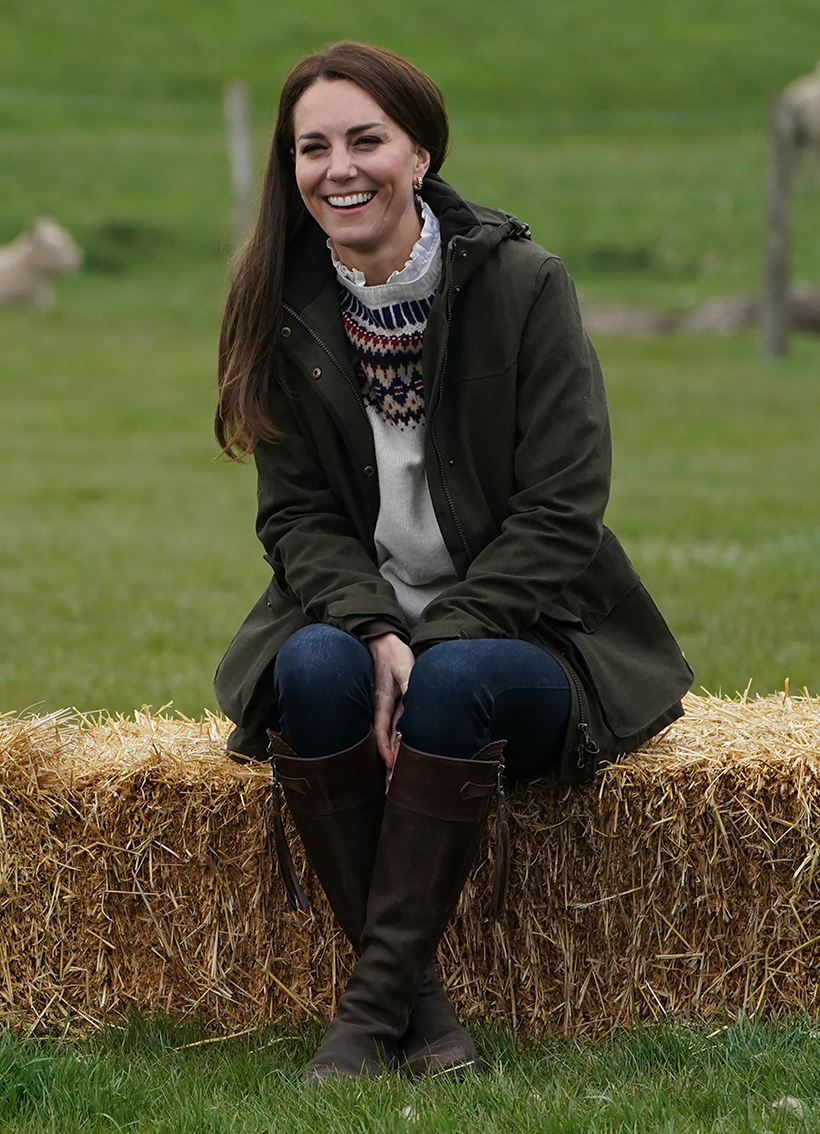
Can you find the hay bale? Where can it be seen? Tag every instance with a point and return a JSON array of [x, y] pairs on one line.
[[135, 868]]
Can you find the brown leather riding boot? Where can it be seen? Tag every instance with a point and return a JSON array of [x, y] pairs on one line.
[[337, 803], [434, 816]]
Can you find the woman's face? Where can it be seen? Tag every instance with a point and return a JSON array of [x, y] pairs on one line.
[[355, 169]]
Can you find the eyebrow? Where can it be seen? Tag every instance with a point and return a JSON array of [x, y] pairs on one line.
[[352, 130]]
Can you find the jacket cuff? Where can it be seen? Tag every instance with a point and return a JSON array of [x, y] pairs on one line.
[[426, 635], [374, 629]]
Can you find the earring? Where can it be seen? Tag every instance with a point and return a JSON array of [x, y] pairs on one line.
[[417, 183]]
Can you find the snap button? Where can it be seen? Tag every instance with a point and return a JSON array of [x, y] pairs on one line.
[[286, 332], [451, 463], [456, 290], [463, 255], [368, 470], [317, 372]]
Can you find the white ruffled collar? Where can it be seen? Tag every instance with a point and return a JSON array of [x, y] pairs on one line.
[[426, 251]]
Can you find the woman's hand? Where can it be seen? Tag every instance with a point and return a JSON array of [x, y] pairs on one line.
[[392, 663]]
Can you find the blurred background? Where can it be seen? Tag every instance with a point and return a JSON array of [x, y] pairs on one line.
[[630, 134]]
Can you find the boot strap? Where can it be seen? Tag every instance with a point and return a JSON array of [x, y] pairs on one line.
[[296, 896], [477, 791]]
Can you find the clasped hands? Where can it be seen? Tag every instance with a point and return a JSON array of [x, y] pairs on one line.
[[392, 663]]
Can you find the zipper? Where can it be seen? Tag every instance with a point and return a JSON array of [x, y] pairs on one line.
[[585, 746], [518, 230], [342, 370], [434, 410]]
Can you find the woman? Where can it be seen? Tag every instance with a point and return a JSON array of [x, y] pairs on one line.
[[430, 432]]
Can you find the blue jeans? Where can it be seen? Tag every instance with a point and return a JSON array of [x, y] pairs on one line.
[[462, 694]]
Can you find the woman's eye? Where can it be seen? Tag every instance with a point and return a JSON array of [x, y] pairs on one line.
[[368, 140], [311, 148]]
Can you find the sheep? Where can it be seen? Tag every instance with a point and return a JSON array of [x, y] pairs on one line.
[[800, 114], [723, 315], [618, 319], [27, 264]]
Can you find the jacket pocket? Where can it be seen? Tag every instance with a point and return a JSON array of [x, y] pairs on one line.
[[632, 662], [272, 620], [618, 644], [481, 357], [587, 600], [279, 599]]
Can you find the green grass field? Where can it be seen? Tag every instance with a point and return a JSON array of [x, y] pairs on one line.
[[631, 136], [144, 1077]]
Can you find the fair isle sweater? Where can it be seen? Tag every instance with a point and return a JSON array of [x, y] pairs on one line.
[[385, 326]]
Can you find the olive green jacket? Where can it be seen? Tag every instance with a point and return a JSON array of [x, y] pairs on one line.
[[518, 464]]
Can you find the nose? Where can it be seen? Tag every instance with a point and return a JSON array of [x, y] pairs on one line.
[[341, 167]]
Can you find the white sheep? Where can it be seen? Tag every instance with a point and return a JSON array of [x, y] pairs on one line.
[[800, 106], [27, 264]]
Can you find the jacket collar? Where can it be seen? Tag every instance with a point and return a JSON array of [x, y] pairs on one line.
[[309, 269], [475, 228], [456, 216]]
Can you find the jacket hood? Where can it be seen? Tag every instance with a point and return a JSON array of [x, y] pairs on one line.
[[459, 217]]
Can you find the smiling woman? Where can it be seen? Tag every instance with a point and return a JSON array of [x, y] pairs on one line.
[[447, 608]]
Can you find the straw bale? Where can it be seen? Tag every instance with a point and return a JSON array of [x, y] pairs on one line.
[[135, 868]]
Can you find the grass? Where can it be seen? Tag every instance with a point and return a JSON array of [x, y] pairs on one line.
[[566, 56], [143, 1076]]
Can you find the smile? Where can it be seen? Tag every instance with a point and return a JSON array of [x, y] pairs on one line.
[[350, 200]]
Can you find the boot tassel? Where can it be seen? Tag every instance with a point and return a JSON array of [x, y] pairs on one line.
[[295, 895], [501, 864]]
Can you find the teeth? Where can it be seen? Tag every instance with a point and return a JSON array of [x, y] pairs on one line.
[[351, 199]]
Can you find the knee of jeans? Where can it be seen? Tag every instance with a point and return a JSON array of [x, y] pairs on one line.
[[319, 661], [450, 668]]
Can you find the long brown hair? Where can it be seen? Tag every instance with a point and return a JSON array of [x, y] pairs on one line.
[[253, 317]]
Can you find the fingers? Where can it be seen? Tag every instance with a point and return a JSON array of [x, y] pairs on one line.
[[386, 750], [384, 702], [388, 737], [392, 665], [394, 724]]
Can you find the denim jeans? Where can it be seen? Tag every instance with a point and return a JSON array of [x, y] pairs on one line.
[[462, 694]]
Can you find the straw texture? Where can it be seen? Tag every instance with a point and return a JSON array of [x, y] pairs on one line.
[[135, 868]]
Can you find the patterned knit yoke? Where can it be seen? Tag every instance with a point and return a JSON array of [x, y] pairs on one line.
[[385, 326], [386, 344]]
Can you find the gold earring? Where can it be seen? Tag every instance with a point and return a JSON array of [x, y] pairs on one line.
[[417, 183]]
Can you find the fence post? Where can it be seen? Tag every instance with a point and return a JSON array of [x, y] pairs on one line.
[[775, 314], [237, 124]]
